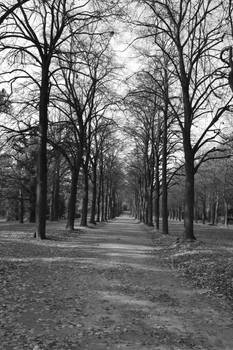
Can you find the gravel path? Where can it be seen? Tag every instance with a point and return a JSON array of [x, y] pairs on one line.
[[104, 289]]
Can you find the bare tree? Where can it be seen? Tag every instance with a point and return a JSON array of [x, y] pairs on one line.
[[192, 40], [144, 128], [35, 35], [103, 130], [81, 94]]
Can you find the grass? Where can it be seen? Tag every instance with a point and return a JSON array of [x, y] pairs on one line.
[[206, 263]]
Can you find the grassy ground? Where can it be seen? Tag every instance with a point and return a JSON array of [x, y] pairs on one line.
[[206, 263]]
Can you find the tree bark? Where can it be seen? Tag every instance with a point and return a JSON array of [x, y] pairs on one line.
[[164, 162], [98, 201], [150, 206], [85, 197], [94, 194], [72, 198], [21, 206], [196, 210], [106, 201], [216, 209], [188, 155], [189, 196], [157, 193], [41, 193], [102, 193], [55, 200]]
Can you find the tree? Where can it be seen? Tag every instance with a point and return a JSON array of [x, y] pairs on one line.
[[35, 34], [144, 130], [111, 178], [152, 129], [103, 131], [192, 39], [82, 95]]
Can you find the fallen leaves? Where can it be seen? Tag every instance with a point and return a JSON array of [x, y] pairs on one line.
[[206, 265], [53, 294]]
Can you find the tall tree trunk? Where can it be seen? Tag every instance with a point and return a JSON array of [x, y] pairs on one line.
[[32, 200], [85, 197], [102, 194], [41, 193], [146, 205], [189, 194], [106, 201], [196, 210], [72, 198], [21, 206], [99, 200], [164, 172], [94, 194], [136, 203], [188, 151], [110, 201], [157, 193], [115, 205], [55, 200], [216, 209], [150, 206]]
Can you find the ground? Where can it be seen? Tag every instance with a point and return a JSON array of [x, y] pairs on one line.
[[106, 287]]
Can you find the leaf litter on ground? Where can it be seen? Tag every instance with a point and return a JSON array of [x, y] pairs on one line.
[[206, 263]]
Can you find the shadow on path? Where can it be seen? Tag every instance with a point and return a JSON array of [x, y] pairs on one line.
[[106, 289]]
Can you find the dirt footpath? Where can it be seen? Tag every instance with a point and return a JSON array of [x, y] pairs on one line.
[[105, 289]]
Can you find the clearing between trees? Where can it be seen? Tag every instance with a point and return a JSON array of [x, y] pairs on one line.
[[113, 286]]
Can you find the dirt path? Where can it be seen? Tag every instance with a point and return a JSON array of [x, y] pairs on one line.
[[105, 290]]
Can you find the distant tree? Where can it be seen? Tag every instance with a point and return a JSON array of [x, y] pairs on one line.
[[103, 131], [111, 180], [8, 190], [144, 153], [24, 153], [57, 170], [214, 189], [151, 127], [81, 94], [18, 177]]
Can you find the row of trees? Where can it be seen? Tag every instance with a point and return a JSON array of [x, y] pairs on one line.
[[213, 194], [181, 96], [57, 59], [103, 194], [59, 129]]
